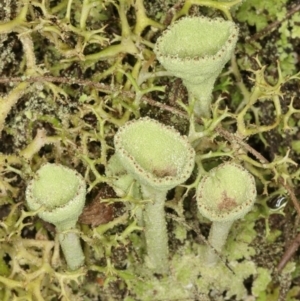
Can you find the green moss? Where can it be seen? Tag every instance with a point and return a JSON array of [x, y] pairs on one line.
[[262, 279], [261, 13]]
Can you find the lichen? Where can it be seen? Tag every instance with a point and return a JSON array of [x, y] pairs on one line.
[[71, 74]]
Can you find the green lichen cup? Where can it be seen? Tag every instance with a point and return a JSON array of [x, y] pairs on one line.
[[159, 158], [196, 49], [224, 195], [59, 192]]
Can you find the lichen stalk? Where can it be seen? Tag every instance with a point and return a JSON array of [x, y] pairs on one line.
[[155, 229], [71, 247], [201, 95], [217, 238], [159, 159]]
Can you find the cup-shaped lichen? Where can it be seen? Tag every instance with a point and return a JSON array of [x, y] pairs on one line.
[[159, 158], [196, 49], [60, 194], [226, 194]]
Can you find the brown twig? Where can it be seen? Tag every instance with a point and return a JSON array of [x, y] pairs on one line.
[[100, 86], [53, 79], [232, 137], [291, 193], [108, 89], [289, 253], [268, 29]]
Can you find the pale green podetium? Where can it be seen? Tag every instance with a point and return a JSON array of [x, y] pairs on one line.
[[196, 49], [226, 194], [159, 158], [60, 194]]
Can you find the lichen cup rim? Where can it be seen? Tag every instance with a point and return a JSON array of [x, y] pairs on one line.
[[68, 210], [237, 207], [212, 54], [213, 22], [174, 174]]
